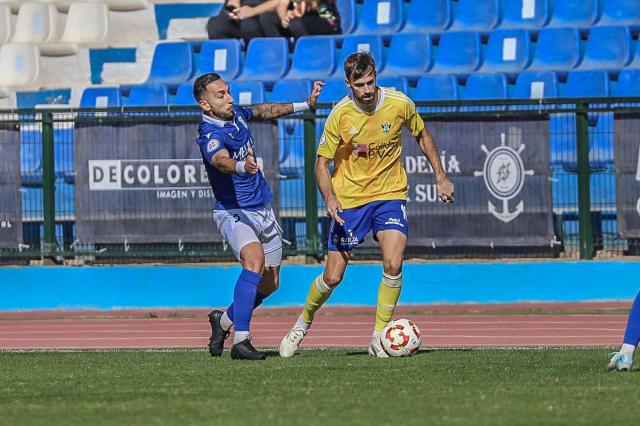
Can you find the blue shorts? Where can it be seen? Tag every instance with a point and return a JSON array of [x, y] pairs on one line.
[[375, 216]]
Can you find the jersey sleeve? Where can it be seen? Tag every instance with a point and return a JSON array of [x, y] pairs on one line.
[[330, 138], [210, 146], [413, 120], [246, 112]]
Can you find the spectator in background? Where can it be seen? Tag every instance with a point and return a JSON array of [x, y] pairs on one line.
[[246, 19], [310, 17]]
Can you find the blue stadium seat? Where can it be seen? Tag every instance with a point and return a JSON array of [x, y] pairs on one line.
[[525, 14], [476, 15], [536, 85], [220, 56], [436, 88], [267, 59], [184, 96], [586, 84], [574, 14], [408, 55], [436, 21], [347, 11], [507, 51], [558, 49], [172, 63], [608, 48], [148, 95], [486, 86], [380, 17], [620, 12], [333, 91], [458, 53], [100, 97], [628, 84], [355, 43], [396, 83], [291, 130], [247, 92], [309, 63]]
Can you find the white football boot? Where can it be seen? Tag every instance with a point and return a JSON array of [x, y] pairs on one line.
[[376, 349], [291, 342]]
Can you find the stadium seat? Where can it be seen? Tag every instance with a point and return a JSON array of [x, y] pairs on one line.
[[148, 95], [476, 15], [436, 21], [436, 88], [356, 43], [458, 53], [347, 11], [525, 14], [608, 48], [628, 84], [486, 86], [36, 23], [308, 63], [620, 12], [291, 130], [558, 49], [171, 63], [507, 51], [184, 96], [333, 91], [536, 85], [100, 97], [586, 84], [87, 25], [5, 23], [267, 59], [247, 92], [220, 56], [396, 83], [380, 17], [574, 14], [19, 64], [408, 55]]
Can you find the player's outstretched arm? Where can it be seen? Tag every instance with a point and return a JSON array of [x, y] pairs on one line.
[[323, 177], [272, 110], [430, 150]]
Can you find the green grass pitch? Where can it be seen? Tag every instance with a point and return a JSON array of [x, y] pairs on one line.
[[457, 387]]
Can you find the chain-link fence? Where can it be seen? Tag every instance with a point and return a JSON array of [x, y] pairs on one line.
[[533, 179]]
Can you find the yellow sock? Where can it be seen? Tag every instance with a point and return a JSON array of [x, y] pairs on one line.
[[318, 294], [388, 294]]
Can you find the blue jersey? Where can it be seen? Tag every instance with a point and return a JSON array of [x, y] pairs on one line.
[[247, 191]]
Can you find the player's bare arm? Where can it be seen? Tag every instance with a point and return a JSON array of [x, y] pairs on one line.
[[223, 162], [273, 110], [323, 177], [430, 150]]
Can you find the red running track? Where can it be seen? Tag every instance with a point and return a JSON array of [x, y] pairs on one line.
[[445, 326]]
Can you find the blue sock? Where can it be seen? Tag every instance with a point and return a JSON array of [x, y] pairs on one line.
[[632, 335], [244, 297], [259, 299]]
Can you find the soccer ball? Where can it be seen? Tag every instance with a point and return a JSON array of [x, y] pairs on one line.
[[401, 338]]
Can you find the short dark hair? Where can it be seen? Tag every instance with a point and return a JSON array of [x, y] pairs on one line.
[[201, 83], [357, 64]]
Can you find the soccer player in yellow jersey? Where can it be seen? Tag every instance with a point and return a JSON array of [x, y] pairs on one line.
[[368, 189]]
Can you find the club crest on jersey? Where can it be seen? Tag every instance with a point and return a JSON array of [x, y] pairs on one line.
[[213, 145], [244, 123], [386, 128]]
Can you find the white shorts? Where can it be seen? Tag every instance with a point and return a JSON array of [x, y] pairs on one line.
[[241, 227]]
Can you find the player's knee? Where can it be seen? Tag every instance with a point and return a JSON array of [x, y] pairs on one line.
[[392, 267], [253, 259], [332, 279]]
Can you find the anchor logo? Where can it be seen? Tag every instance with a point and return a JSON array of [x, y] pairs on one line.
[[504, 173]]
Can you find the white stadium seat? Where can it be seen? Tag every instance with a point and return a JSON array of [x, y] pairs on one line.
[[65, 71], [19, 65], [128, 29], [5, 23], [87, 25], [36, 23], [124, 5], [187, 29]]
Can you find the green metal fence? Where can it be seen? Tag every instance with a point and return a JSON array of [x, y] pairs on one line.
[[583, 178]]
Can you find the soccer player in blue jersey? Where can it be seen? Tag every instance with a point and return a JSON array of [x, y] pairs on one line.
[[623, 360], [242, 211]]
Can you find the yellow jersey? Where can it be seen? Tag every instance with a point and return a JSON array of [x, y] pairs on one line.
[[366, 148]]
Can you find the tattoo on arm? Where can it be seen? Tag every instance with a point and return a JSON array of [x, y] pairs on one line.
[[269, 111]]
